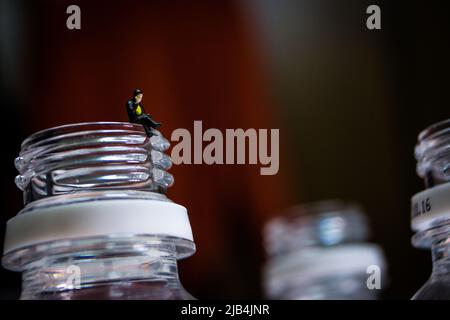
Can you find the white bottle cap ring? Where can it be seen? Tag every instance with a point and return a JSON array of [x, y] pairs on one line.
[[308, 266], [431, 207], [97, 218]]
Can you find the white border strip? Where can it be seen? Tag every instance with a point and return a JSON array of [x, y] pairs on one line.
[[97, 218], [430, 206]]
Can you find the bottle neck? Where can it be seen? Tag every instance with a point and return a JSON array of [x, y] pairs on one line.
[[117, 271], [441, 256]]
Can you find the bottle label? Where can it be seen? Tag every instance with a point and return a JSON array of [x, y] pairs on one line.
[[430, 206]]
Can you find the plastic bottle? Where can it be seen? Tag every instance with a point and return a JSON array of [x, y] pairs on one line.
[[318, 252], [430, 216], [96, 222]]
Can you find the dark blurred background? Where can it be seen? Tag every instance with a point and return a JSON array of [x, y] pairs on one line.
[[349, 103]]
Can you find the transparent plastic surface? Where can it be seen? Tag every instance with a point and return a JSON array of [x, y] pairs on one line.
[[92, 156], [133, 267], [438, 286], [433, 165], [318, 251], [324, 223], [433, 154]]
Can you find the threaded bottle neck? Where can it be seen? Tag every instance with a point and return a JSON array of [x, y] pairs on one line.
[[441, 256], [433, 154], [319, 224], [89, 157]]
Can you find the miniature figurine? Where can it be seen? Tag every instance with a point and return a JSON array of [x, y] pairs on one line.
[[136, 113]]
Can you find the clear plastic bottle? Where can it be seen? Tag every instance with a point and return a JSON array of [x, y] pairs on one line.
[[430, 216], [96, 222], [318, 252]]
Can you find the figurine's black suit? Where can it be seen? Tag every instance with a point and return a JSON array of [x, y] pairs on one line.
[[136, 114]]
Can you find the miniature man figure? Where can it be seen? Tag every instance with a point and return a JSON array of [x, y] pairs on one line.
[[136, 113]]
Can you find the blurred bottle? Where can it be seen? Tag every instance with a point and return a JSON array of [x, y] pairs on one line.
[[96, 222], [430, 216], [317, 252]]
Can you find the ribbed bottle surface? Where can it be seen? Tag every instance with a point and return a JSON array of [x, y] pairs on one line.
[[91, 157]]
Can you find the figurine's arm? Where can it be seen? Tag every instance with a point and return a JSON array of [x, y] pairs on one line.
[[131, 110]]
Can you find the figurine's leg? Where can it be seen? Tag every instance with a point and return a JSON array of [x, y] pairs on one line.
[[148, 124], [145, 118], [154, 124], [148, 130]]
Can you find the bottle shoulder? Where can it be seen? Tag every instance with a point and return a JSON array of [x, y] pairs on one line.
[[436, 288]]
